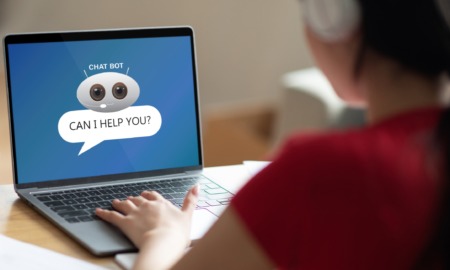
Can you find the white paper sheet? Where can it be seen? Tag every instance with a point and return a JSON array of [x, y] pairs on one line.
[[126, 260], [254, 167], [18, 255]]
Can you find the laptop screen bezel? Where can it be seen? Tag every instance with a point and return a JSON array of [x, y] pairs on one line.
[[101, 35]]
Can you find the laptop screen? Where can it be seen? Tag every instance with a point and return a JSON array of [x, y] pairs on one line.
[[102, 105]]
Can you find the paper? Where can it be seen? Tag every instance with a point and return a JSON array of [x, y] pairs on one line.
[[18, 255], [254, 167], [126, 260]]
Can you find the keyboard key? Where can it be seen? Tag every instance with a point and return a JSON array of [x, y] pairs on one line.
[[91, 211], [104, 204], [219, 196], [176, 184], [72, 220], [119, 196], [69, 202], [180, 189], [152, 186], [213, 202], [93, 205], [56, 197], [63, 208], [82, 200], [129, 189], [202, 204], [95, 199], [85, 218], [80, 206], [81, 194], [44, 198], [106, 190], [165, 190], [178, 195], [176, 201], [120, 190], [216, 191], [54, 203], [165, 185], [70, 214], [107, 197], [224, 201], [204, 181], [69, 196], [95, 217], [212, 185]]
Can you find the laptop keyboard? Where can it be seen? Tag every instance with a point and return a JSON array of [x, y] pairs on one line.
[[78, 205]]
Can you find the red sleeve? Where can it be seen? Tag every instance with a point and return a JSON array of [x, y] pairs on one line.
[[306, 209]]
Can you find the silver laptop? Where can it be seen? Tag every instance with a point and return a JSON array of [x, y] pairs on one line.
[[98, 115]]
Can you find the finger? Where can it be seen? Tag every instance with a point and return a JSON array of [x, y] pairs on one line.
[[151, 195], [125, 206], [112, 217], [137, 200], [191, 199]]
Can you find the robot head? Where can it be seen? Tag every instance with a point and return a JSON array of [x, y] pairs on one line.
[[108, 92]]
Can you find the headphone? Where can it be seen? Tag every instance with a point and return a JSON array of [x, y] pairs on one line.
[[332, 20]]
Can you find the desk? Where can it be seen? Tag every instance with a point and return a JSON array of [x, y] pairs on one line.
[[19, 221]]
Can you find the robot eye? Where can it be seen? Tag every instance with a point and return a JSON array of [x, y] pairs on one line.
[[97, 92], [119, 90]]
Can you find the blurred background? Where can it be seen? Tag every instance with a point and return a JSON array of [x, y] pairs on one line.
[[247, 52]]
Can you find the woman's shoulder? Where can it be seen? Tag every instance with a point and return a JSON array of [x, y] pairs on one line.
[[410, 131], [330, 146]]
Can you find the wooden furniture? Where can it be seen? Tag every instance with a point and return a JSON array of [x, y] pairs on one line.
[[5, 153], [21, 222]]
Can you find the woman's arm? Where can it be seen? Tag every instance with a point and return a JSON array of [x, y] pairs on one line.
[[161, 232], [227, 245]]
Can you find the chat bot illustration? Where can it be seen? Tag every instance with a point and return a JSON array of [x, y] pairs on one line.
[[108, 92], [108, 97]]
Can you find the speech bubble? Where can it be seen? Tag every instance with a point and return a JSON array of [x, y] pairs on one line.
[[93, 127]]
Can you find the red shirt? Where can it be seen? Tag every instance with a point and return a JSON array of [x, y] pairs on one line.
[[361, 199]]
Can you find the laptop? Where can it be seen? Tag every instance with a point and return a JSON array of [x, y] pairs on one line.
[[98, 115]]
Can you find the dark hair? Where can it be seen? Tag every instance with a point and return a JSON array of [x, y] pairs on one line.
[[415, 33]]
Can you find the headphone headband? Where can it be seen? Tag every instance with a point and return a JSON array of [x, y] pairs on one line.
[[332, 20]]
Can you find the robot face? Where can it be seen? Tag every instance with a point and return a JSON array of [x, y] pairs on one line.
[[108, 92]]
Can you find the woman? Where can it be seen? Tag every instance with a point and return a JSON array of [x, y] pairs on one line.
[[361, 199]]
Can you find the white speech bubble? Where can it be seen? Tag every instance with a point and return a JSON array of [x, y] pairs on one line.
[[93, 127]]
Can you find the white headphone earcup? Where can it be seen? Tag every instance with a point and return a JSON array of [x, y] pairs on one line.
[[332, 20]]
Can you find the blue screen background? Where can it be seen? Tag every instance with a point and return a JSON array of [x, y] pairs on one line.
[[44, 80]]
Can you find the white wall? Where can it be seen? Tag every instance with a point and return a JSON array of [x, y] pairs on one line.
[[243, 46]]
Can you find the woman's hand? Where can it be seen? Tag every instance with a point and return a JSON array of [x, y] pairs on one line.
[[150, 217]]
